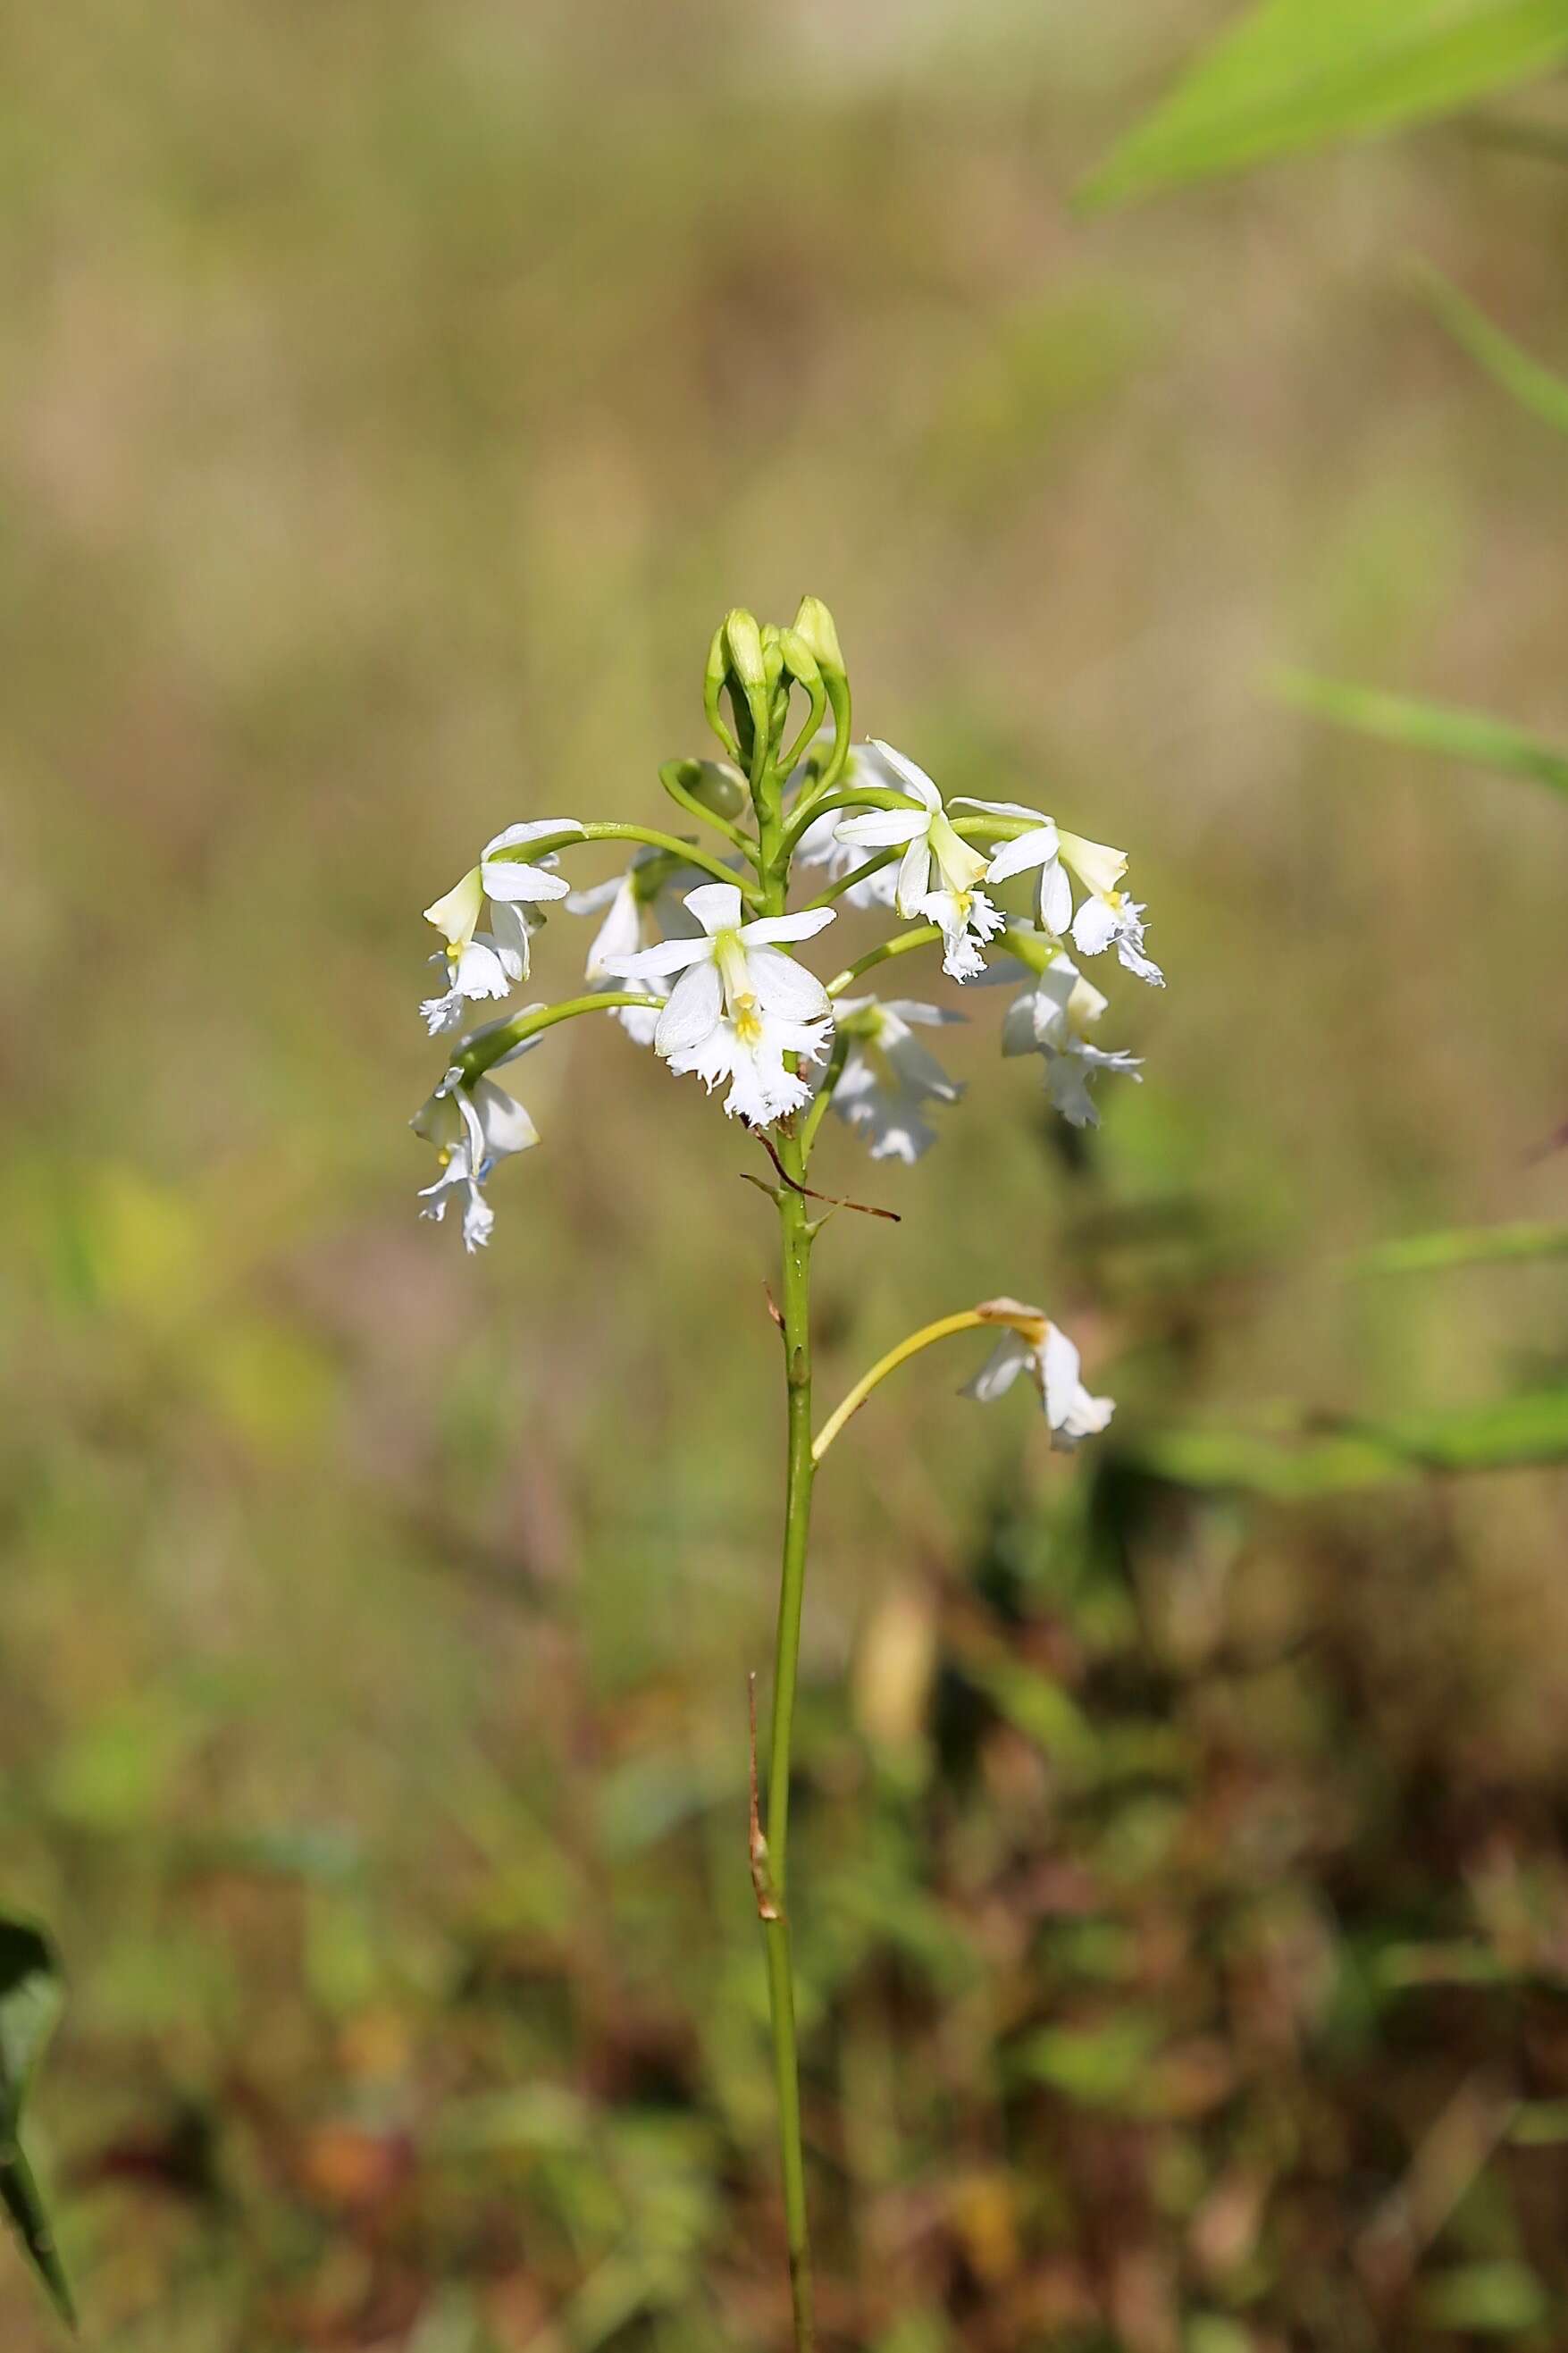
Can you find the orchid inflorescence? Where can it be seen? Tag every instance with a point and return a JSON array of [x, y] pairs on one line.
[[694, 962], [696, 954]]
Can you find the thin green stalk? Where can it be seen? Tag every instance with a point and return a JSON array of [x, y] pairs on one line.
[[475, 1059], [899, 946], [690, 853], [794, 1287], [794, 1238], [670, 778]]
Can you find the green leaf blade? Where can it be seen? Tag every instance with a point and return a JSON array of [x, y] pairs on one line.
[[32, 1996], [1416, 726], [1535, 388], [1299, 74]]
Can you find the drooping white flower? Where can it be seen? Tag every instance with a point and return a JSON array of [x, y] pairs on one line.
[[1105, 917], [820, 845], [888, 1078], [954, 902], [634, 916], [480, 965], [1050, 1018], [1033, 1344], [473, 1125], [739, 1005]]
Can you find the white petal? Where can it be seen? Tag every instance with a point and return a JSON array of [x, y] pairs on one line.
[[802, 926], [695, 1003], [1037, 848], [1096, 864], [784, 987], [1058, 1363], [619, 932], [665, 956], [911, 1009], [481, 972], [717, 907], [1093, 927], [457, 914], [1000, 1370], [913, 778], [1000, 809], [478, 1219], [914, 878], [505, 879], [506, 1125], [1056, 899], [513, 837], [882, 829]]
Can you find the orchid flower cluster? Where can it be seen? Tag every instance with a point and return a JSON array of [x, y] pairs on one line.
[[697, 953], [695, 963]]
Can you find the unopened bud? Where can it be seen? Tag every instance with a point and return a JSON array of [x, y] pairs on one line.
[[799, 660], [743, 641], [716, 785], [813, 623]]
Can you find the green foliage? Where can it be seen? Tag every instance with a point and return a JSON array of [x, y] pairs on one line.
[[1468, 735], [1535, 388], [1499, 2299], [31, 1999], [1505, 1435], [1294, 74], [1459, 1246]]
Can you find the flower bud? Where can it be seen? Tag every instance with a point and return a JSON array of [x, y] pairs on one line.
[[813, 623], [716, 783], [799, 660], [744, 642], [773, 659]]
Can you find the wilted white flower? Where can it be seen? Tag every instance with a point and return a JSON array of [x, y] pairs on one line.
[[1050, 1018], [961, 912], [739, 1005], [634, 917], [1033, 1344], [473, 1125], [888, 1078], [482, 965]]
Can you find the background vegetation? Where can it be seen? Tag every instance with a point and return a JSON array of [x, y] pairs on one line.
[[394, 394]]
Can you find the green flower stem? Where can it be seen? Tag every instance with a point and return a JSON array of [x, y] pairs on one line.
[[899, 946], [794, 1250], [690, 853], [670, 778], [818, 695], [848, 882], [475, 1059], [818, 1112], [966, 1320], [795, 1239]]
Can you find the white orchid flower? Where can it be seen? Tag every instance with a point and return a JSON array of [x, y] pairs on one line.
[[819, 845], [482, 964], [1039, 848], [1033, 1344], [1106, 917], [739, 1005], [961, 912], [472, 1128], [1050, 1018], [890, 1078], [630, 914]]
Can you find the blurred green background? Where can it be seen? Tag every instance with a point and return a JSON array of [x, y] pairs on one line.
[[393, 396]]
